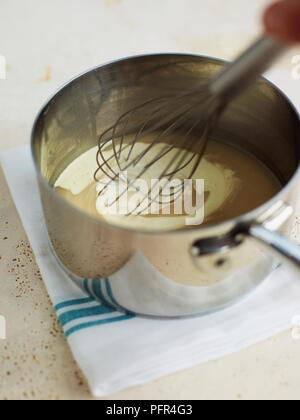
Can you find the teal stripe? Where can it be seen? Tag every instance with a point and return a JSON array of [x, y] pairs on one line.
[[73, 302], [110, 293], [96, 287], [86, 287], [97, 323], [69, 316], [113, 300]]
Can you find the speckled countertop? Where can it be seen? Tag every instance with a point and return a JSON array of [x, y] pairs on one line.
[[45, 44]]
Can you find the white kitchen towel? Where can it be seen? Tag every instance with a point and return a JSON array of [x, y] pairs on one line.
[[116, 351]]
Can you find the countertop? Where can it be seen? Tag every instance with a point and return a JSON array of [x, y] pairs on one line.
[[44, 45]]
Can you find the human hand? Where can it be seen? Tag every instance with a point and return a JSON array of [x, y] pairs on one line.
[[282, 20]]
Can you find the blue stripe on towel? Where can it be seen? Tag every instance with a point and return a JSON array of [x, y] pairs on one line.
[[91, 287], [110, 294], [113, 300], [69, 316], [97, 323], [86, 286], [96, 288], [73, 302]]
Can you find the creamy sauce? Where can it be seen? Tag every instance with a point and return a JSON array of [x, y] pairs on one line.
[[235, 183]]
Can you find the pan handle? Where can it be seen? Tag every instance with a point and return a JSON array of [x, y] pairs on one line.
[[262, 232], [285, 250]]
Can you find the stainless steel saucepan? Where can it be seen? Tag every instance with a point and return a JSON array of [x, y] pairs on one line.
[[180, 273]]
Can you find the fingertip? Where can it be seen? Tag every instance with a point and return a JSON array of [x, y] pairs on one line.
[[282, 20]]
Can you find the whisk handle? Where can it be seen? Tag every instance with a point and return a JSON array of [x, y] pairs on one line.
[[245, 70]]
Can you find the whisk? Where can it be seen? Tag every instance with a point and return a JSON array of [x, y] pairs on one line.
[[190, 113]]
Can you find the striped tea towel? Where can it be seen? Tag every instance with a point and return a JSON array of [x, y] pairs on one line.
[[116, 351]]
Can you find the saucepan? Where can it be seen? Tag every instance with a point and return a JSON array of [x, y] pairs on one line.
[[177, 273]]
